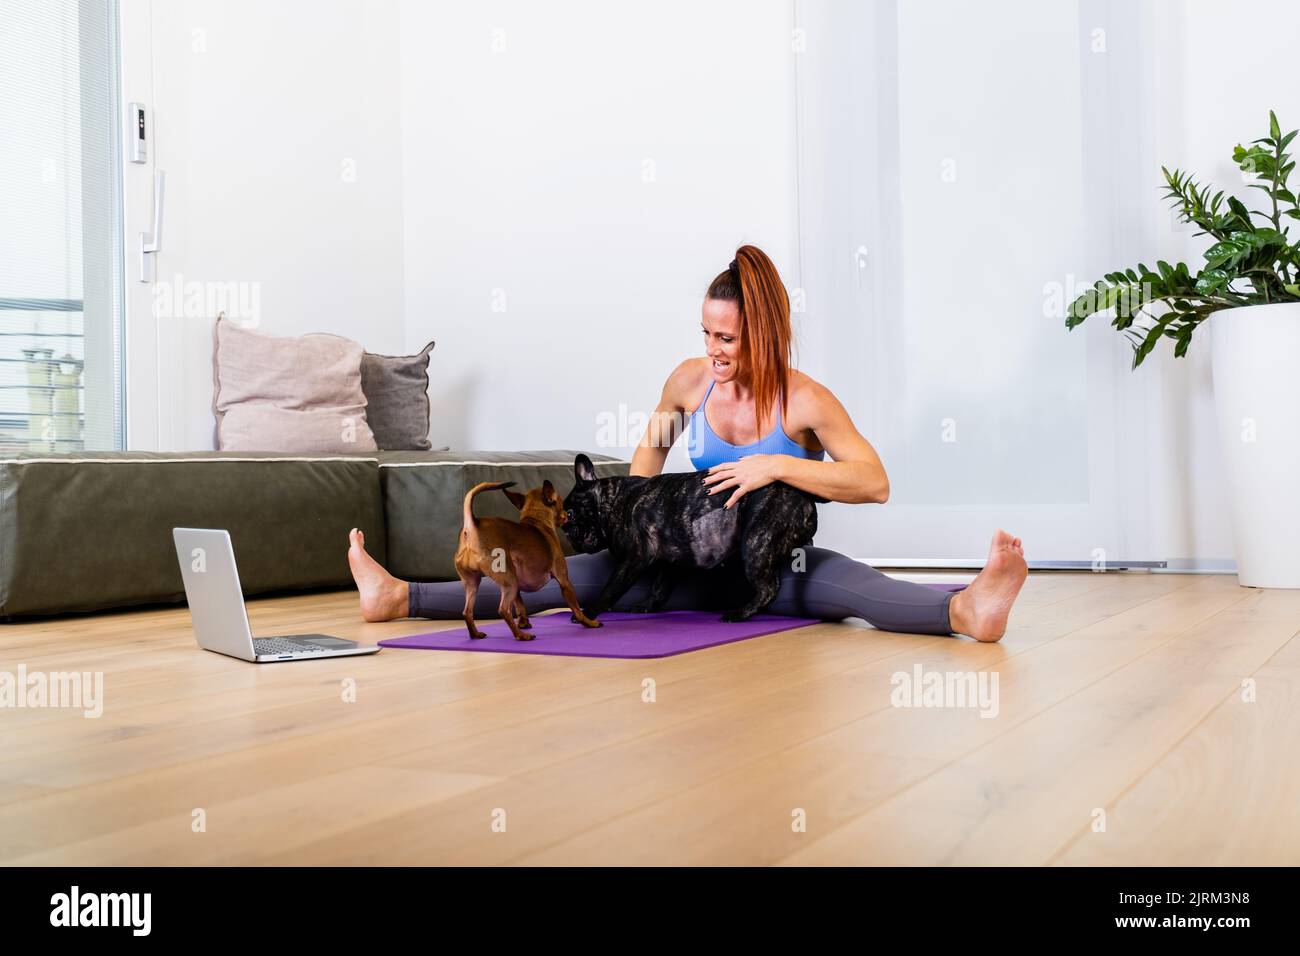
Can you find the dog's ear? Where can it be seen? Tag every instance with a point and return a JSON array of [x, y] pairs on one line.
[[583, 469], [515, 497], [548, 492]]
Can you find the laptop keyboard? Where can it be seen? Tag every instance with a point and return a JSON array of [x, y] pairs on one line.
[[274, 645]]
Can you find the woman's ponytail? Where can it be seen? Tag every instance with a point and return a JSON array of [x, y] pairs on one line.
[[752, 282]]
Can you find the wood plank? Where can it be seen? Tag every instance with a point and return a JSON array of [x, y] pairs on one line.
[[562, 800], [1224, 795], [244, 829], [1023, 796], [912, 742], [738, 738]]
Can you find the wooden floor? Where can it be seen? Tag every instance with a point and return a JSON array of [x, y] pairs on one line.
[[1142, 719]]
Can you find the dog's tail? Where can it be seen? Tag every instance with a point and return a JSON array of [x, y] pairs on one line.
[[470, 522]]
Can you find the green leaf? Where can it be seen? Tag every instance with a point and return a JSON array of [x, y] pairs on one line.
[[1274, 130], [1211, 281], [1229, 250], [1153, 336], [1242, 212]]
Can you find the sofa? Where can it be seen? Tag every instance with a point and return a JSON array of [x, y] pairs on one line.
[[91, 531]]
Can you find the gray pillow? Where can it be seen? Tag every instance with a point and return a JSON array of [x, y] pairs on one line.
[[397, 399]]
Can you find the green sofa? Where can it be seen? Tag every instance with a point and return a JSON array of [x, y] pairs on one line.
[[92, 531]]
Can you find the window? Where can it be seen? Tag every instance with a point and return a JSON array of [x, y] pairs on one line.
[[60, 227]]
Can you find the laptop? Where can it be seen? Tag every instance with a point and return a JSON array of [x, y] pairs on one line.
[[217, 606]]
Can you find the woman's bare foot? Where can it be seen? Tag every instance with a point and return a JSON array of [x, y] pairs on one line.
[[981, 610], [383, 597]]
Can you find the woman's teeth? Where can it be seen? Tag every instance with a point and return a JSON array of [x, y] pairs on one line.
[[720, 365]]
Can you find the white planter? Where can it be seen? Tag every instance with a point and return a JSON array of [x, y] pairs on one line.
[[1255, 356]]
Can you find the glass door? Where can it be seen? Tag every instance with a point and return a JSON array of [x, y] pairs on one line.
[[61, 304]]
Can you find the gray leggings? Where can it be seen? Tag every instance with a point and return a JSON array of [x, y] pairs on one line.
[[830, 587]]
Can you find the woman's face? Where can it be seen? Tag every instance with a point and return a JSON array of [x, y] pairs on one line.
[[720, 321]]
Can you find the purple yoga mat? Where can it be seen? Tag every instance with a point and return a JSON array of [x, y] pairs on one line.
[[623, 636]]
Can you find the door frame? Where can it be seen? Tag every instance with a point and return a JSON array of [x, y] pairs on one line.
[[142, 381]]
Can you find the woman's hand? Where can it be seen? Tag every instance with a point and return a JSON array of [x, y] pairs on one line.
[[748, 474]]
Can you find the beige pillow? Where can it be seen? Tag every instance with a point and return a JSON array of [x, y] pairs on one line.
[[291, 394]]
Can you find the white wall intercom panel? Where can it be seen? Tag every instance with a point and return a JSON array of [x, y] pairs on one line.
[[137, 132]]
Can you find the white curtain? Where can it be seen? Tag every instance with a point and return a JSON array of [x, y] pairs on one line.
[[963, 168]]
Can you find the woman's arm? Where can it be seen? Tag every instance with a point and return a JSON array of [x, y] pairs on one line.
[[856, 475], [852, 482], [667, 421]]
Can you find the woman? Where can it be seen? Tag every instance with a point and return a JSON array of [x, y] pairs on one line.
[[753, 420]]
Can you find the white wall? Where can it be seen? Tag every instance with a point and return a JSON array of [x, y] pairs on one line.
[[1198, 114], [598, 171], [589, 176], [278, 127], [589, 167]]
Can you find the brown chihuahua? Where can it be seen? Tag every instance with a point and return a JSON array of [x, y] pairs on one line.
[[518, 557]]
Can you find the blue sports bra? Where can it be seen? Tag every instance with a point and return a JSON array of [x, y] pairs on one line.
[[706, 449]]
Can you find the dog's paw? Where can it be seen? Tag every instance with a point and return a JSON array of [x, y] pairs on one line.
[[525, 637], [525, 625], [478, 636], [741, 614]]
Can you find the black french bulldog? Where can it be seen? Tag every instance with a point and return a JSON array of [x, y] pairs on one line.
[[670, 522]]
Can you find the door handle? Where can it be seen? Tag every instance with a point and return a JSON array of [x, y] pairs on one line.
[[151, 242]]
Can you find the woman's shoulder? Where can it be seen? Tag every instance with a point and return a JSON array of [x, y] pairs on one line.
[[808, 399], [804, 388], [687, 383]]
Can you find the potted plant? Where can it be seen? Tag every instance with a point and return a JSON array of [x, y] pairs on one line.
[[1250, 283]]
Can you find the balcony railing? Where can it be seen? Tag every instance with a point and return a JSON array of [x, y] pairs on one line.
[[42, 392]]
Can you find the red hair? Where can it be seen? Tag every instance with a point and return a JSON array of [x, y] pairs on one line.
[[752, 282]]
